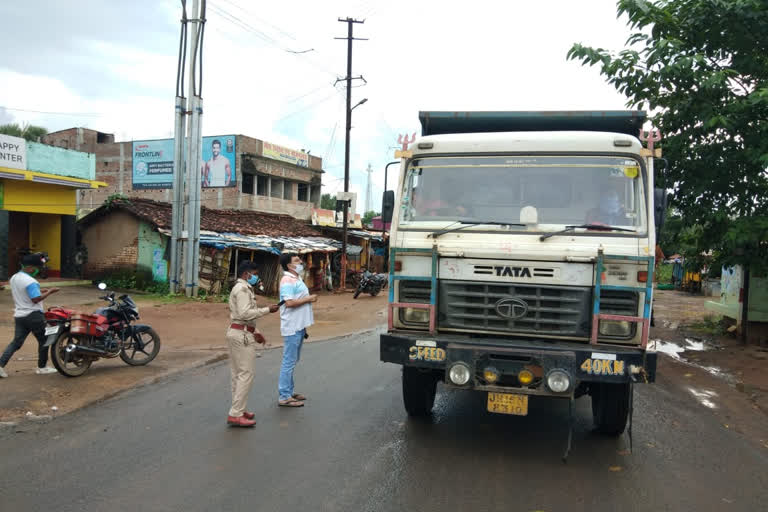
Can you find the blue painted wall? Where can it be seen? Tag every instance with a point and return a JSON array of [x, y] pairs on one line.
[[60, 161]]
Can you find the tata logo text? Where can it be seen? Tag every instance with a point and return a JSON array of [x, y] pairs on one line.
[[513, 271], [512, 308]]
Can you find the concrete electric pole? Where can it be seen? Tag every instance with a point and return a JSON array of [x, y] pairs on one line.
[[185, 236], [350, 23]]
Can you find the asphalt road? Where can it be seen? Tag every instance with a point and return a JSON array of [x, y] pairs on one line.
[[166, 448]]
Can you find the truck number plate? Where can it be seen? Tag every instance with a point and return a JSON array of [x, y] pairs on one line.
[[51, 330], [603, 367], [506, 403]]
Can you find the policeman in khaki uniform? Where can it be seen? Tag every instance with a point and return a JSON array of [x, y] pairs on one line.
[[243, 339]]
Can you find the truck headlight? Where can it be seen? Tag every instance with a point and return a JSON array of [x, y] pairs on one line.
[[459, 374], [416, 315], [615, 328], [558, 381]]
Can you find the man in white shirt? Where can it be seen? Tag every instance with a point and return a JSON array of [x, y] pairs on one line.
[[217, 171], [28, 313], [295, 316]]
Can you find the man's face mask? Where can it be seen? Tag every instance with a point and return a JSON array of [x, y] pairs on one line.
[[253, 280]]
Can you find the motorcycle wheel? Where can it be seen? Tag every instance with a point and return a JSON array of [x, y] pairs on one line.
[[74, 367], [357, 294], [134, 356]]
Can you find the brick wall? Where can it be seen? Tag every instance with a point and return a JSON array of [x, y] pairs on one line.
[[80, 139], [124, 259], [114, 165], [112, 242]]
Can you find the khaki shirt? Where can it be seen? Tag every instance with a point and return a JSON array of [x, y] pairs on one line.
[[242, 305]]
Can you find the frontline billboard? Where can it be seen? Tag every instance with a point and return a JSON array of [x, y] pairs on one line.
[[153, 163]]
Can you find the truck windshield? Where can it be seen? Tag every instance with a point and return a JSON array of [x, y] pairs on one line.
[[543, 192]]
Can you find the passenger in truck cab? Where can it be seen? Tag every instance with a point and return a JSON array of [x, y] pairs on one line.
[[610, 210], [449, 206]]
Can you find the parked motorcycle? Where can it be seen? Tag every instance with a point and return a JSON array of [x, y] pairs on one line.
[[370, 283], [78, 339]]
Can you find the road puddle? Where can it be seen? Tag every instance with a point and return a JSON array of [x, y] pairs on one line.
[[678, 352], [704, 396]]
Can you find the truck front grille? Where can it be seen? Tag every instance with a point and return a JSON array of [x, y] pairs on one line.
[[554, 310]]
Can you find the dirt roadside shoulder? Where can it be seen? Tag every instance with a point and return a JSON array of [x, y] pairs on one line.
[[192, 335], [709, 365]]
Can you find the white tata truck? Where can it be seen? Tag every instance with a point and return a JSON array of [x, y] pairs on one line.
[[521, 260]]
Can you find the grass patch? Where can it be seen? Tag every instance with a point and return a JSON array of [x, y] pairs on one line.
[[664, 273], [711, 324]]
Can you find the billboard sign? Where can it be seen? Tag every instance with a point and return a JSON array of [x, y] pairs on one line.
[[219, 162], [13, 152], [283, 154], [153, 163]]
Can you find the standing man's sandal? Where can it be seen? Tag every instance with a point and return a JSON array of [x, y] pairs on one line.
[[290, 402]]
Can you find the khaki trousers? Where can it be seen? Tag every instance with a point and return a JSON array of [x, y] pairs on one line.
[[242, 356]]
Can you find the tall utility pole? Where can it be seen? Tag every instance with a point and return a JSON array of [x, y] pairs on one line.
[[369, 190], [350, 24], [186, 174], [180, 124]]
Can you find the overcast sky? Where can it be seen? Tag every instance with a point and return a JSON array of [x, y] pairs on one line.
[[111, 66]]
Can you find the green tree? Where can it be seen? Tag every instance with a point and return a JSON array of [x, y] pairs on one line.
[[327, 202], [669, 236], [28, 132], [368, 217], [701, 68]]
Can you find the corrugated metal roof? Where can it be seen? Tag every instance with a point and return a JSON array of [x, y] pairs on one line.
[[271, 244]]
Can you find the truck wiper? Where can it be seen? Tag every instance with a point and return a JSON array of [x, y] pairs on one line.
[[597, 227], [466, 224]]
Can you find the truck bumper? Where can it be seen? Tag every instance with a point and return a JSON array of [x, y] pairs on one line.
[[584, 363]]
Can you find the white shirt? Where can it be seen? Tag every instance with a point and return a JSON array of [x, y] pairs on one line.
[[24, 288], [293, 320], [217, 171]]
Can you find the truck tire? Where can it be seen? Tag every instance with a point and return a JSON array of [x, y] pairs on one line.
[[610, 407], [419, 391]]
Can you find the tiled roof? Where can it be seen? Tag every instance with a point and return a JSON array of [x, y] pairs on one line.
[[247, 222]]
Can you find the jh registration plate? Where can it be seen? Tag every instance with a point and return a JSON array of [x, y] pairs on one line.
[[52, 330], [505, 403]]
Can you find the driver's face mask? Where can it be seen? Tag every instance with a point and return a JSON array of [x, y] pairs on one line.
[[610, 204]]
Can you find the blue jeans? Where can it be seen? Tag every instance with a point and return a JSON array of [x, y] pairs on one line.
[[291, 354]]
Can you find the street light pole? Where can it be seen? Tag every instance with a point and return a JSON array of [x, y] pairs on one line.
[[350, 23]]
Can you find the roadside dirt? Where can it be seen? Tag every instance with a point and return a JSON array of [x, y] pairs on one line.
[[192, 334], [713, 367]]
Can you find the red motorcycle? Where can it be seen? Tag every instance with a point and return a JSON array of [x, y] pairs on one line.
[[78, 339]]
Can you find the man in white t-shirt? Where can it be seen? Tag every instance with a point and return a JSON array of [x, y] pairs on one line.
[[217, 171], [295, 316], [28, 313]]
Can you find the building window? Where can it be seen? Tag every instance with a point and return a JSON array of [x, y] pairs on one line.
[[262, 184], [288, 190], [303, 192], [247, 183], [277, 188]]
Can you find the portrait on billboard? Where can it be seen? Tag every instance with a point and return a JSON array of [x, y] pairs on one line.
[[218, 162]]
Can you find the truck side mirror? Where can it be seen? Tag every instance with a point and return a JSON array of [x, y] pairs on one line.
[[660, 207], [387, 206]]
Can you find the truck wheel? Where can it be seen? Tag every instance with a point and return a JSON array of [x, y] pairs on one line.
[[419, 391], [610, 407]]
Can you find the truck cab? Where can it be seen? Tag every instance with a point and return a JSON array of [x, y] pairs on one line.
[[521, 260]]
